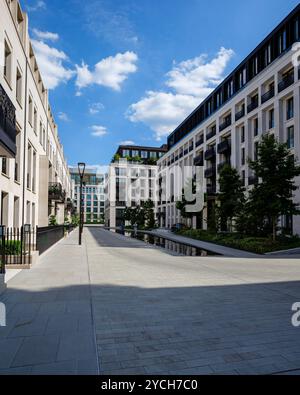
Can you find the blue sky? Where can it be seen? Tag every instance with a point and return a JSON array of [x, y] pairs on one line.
[[131, 70]]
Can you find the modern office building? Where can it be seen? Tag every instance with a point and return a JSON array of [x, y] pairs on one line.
[[93, 196], [34, 177], [262, 95], [132, 180]]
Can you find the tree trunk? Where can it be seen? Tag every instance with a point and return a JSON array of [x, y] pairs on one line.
[[274, 228]]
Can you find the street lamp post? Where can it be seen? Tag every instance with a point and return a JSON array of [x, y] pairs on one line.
[[81, 169]]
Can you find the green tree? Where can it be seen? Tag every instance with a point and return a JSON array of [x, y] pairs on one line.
[[148, 209], [272, 197], [52, 220], [135, 215], [231, 198]]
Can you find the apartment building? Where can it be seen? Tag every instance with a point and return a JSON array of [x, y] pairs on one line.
[[260, 96], [132, 180], [93, 194], [34, 177]]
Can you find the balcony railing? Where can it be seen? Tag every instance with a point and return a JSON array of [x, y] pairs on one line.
[[200, 141], [199, 160], [253, 105], [191, 147], [224, 146], [56, 192], [210, 172], [240, 114], [210, 153], [186, 151], [7, 126], [286, 81], [211, 134], [268, 95], [225, 124]]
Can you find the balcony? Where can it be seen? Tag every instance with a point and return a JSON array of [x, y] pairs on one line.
[[199, 160], [211, 134], [268, 95], [210, 172], [191, 147], [253, 105], [186, 151], [200, 141], [210, 153], [240, 114], [286, 81], [7, 126], [56, 192], [224, 146], [225, 124]]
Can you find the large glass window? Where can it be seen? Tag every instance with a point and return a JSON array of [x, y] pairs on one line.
[[290, 108], [290, 137], [271, 119]]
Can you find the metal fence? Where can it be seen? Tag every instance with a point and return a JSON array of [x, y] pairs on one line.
[[18, 244], [48, 236]]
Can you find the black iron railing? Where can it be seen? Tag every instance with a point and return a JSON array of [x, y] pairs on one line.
[[211, 134], [253, 105], [268, 95], [240, 114], [200, 141], [199, 160], [210, 172], [56, 192], [17, 245], [225, 124], [286, 81], [224, 146], [210, 153]]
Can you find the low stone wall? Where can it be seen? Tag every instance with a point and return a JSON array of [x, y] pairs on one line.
[[16, 261]]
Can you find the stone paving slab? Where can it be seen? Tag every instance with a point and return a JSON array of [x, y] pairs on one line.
[[49, 318], [162, 314], [119, 306]]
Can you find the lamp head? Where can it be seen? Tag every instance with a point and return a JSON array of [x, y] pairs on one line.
[[81, 169]]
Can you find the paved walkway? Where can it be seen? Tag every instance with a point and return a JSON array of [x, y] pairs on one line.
[[49, 321], [151, 312]]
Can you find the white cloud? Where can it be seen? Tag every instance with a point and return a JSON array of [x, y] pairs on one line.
[[127, 142], [63, 117], [51, 63], [111, 21], [39, 5], [110, 72], [190, 82], [99, 131], [45, 35], [95, 108]]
